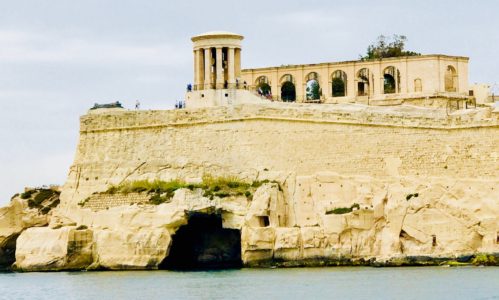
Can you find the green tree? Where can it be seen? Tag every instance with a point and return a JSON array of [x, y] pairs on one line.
[[313, 90], [388, 47]]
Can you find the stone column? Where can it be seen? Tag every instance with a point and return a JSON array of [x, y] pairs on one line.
[[207, 68], [237, 64], [219, 69], [197, 69], [231, 74]]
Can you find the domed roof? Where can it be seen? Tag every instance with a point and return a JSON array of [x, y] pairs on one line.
[[216, 34]]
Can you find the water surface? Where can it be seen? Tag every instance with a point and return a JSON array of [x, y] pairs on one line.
[[299, 283]]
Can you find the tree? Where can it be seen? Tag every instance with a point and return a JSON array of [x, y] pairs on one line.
[[313, 90], [388, 47]]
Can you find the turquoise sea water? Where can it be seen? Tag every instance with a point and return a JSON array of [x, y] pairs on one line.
[[300, 283]]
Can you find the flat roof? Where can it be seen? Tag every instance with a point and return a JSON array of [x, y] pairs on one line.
[[417, 57]]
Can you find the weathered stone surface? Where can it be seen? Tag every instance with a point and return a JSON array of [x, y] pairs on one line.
[[356, 184], [44, 249], [14, 219], [143, 248]]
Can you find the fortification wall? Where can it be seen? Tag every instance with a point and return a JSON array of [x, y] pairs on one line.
[[253, 141]]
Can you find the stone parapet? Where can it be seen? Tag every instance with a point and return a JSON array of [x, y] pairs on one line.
[[401, 116]]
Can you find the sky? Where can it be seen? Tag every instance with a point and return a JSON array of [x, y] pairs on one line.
[[59, 57]]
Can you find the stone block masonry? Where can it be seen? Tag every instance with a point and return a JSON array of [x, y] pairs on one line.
[[246, 140], [105, 201]]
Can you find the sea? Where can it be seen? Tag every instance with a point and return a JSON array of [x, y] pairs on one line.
[[293, 283]]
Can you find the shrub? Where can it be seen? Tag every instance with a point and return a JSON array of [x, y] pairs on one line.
[[339, 211], [43, 195], [484, 260], [257, 184], [222, 194], [355, 205], [45, 210], [208, 194], [31, 203], [27, 194], [408, 197], [158, 199], [343, 210], [82, 227], [233, 184]]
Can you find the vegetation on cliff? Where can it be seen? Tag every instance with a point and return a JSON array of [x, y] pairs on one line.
[[162, 191], [42, 199], [343, 210]]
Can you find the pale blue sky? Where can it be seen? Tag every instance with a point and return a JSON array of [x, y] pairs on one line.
[[58, 57]]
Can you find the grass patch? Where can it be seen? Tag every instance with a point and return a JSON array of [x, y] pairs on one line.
[[163, 191], [342, 210]]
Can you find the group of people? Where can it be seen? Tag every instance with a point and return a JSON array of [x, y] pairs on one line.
[[179, 104]]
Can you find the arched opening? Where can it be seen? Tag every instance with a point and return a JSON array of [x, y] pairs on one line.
[[418, 85], [288, 90], [339, 84], [313, 88], [8, 252], [363, 82], [450, 79], [262, 86], [204, 244], [391, 80]]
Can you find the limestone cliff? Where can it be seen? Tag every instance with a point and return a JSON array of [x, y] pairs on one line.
[[345, 185], [29, 209]]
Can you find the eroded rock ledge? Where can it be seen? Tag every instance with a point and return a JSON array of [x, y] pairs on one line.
[[320, 220]]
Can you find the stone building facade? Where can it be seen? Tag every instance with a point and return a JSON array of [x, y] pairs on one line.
[[358, 81], [219, 79]]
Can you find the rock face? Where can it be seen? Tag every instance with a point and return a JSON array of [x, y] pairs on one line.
[[14, 219], [342, 220], [345, 185]]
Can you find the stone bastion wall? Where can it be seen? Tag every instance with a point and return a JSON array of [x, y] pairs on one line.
[[355, 184], [251, 141]]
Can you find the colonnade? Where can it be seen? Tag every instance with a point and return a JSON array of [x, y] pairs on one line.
[[217, 60]]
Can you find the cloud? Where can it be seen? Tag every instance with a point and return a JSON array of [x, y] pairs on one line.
[[32, 47], [315, 18]]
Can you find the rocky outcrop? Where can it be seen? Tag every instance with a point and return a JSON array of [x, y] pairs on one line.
[[324, 219], [22, 213]]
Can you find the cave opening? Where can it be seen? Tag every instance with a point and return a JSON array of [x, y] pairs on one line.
[[8, 252], [204, 244]]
